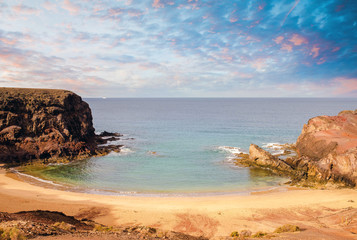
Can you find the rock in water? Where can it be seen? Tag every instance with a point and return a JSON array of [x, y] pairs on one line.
[[265, 159], [44, 124], [327, 152], [331, 143]]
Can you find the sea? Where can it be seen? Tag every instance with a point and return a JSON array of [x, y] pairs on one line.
[[187, 146]]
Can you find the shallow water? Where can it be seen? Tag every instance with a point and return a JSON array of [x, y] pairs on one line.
[[186, 145]]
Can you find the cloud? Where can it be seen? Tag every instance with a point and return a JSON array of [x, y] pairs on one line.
[[315, 51], [8, 41], [234, 17], [50, 6], [260, 64], [291, 9], [278, 39], [188, 47], [22, 9], [70, 7], [345, 86], [298, 40], [287, 47], [157, 4], [336, 49]]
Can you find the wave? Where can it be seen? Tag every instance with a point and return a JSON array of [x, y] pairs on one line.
[[275, 148], [123, 151], [232, 152], [28, 176]]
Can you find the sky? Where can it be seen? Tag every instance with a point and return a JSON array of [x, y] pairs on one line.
[[185, 48]]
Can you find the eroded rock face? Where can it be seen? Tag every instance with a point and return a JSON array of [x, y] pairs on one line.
[[42, 124], [331, 142], [265, 159], [327, 152]]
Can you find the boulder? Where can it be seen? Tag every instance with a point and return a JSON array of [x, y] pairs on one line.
[[265, 159], [331, 143]]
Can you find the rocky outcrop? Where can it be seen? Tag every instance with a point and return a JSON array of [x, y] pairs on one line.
[[32, 224], [326, 153], [44, 124], [331, 143], [263, 158]]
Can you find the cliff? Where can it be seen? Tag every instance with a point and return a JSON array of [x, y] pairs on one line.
[[326, 153], [44, 124], [330, 142]]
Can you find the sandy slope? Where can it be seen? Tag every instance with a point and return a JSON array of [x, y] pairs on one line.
[[328, 214]]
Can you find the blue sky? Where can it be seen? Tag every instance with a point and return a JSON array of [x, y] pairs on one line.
[[188, 48]]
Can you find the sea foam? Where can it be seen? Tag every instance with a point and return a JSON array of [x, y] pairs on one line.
[[232, 152], [275, 148]]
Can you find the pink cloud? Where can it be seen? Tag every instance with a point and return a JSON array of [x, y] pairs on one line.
[[259, 64], [8, 41], [70, 7], [278, 40], [297, 40], [340, 86], [315, 51], [22, 9], [157, 4], [321, 61], [286, 47], [227, 57], [336, 49], [296, 3], [135, 13], [261, 6], [243, 75], [344, 85], [114, 12], [288, 86], [233, 18], [13, 60], [50, 6]]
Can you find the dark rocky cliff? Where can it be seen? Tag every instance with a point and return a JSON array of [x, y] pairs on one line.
[[44, 124]]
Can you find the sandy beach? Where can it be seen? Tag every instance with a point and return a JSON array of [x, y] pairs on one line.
[[329, 213]]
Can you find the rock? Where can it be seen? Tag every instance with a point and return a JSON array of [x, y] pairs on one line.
[[109, 134], [331, 142], [45, 124], [327, 153], [265, 159]]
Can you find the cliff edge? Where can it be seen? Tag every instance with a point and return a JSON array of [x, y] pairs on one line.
[[44, 124]]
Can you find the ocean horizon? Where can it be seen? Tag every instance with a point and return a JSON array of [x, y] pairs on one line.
[[188, 145]]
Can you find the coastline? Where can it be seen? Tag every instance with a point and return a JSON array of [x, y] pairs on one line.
[[210, 216], [50, 184]]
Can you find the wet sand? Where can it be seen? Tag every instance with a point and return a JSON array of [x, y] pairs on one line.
[[330, 214]]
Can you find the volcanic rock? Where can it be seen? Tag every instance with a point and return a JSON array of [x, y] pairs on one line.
[[45, 124], [331, 142], [326, 153]]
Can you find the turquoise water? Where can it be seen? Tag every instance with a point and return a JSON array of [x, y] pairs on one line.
[[186, 145]]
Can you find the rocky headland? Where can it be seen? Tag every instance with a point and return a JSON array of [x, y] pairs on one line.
[[326, 153], [47, 125]]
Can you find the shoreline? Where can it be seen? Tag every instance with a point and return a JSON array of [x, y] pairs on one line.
[[210, 216], [46, 183]]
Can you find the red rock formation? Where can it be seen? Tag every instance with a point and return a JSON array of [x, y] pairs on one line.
[[42, 124], [331, 142], [327, 152]]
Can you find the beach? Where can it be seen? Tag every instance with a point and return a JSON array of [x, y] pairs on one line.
[[323, 212]]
